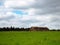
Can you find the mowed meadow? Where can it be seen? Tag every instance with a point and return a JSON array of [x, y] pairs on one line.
[[30, 38]]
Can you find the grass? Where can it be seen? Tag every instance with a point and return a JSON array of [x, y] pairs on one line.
[[30, 38]]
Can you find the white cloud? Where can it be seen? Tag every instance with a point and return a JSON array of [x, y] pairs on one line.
[[39, 13], [18, 3]]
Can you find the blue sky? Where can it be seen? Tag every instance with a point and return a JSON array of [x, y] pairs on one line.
[[20, 12], [27, 13], [1, 3]]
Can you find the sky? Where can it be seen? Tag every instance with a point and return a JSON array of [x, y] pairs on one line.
[[27, 13]]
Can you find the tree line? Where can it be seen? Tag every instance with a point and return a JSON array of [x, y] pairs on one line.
[[21, 29], [14, 29]]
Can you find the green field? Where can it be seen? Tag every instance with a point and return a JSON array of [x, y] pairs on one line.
[[30, 38]]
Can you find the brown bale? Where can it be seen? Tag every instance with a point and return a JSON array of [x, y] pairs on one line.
[[39, 29]]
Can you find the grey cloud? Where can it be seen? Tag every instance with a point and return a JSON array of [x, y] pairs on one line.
[[25, 7], [46, 3], [29, 21], [47, 6], [47, 11], [7, 18], [55, 19], [53, 25]]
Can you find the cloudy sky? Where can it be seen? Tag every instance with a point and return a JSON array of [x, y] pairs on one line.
[[27, 13]]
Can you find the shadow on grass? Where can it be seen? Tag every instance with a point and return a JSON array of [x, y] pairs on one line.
[[17, 43]]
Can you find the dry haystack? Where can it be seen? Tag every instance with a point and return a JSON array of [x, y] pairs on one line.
[[39, 29]]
